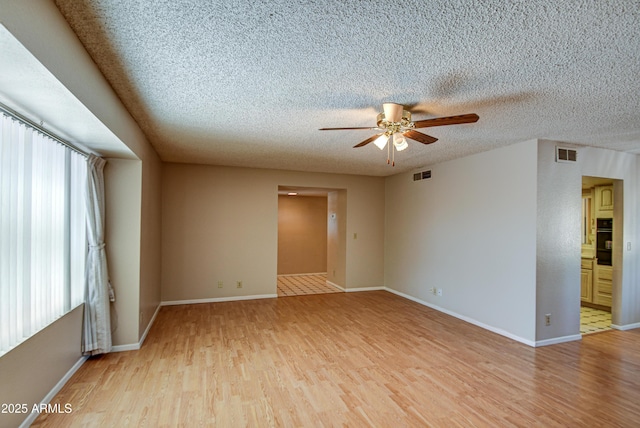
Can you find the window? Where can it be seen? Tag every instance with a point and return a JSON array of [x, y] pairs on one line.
[[42, 231]]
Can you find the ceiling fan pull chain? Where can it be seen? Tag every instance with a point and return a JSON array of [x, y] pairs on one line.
[[393, 157], [388, 147]]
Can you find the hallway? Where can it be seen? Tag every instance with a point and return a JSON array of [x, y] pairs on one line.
[[298, 285]]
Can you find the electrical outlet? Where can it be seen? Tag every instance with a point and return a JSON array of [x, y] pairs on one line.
[[219, 284], [433, 291], [239, 284], [141, 317], [547, 319], [439, 291]]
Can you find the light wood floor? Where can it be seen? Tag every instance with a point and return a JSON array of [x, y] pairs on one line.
[[350, 359]]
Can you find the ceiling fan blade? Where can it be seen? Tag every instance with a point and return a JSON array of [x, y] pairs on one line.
[[420, 137], [341, 129], [449, 120], [367, 141]]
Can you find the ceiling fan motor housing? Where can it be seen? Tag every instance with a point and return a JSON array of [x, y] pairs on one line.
[[395, 126]]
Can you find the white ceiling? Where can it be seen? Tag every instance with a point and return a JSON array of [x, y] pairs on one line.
[[249, 82]]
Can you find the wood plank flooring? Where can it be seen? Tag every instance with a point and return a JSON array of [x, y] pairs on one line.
[[349, 359]]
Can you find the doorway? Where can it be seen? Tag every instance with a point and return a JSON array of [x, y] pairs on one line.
[[601, 255], [308, 257]]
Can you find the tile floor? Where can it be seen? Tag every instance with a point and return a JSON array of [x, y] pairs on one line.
[[594, 320], [297, 285]]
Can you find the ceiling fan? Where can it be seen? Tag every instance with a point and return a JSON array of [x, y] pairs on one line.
[[396, 125]]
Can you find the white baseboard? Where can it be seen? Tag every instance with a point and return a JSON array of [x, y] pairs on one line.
[[136, 346], [146, 331], [58, 386], [302, 274], [626, 326], [127, 347], [355, 290], [336, 286], [464, 318], [218, 299], [556, 340]]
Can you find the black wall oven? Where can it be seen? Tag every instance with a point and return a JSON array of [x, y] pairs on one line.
[[604, 240]]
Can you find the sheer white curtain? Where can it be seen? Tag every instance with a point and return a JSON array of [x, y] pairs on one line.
[[42, 231], [96, 336]]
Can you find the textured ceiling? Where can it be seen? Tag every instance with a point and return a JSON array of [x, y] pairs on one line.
[[248, 83]]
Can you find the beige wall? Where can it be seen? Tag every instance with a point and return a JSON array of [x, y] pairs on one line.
[[337, 238], [122, 243], [150, 240], [132, 237], [470, 230], [302, 234], [220, 224], [29, 371]]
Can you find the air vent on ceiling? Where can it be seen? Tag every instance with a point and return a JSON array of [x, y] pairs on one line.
[[564, 154], [422, 175]]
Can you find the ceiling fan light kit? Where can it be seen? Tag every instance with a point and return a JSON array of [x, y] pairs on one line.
[[396, 124], [399, 142], [381, 141]]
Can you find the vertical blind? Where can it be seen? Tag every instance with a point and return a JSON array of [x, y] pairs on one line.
[[42, 231]]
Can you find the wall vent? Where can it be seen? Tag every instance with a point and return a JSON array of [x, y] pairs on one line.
[[422, 175], [564, 154]]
